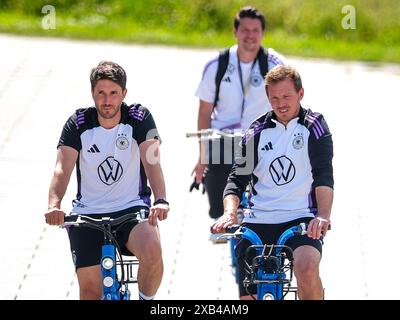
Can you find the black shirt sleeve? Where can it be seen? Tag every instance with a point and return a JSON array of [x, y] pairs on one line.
[[70, 135], [145, 127], [245, 162], [320, 149]]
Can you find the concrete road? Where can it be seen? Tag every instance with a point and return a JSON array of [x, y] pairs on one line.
[[44, 80]]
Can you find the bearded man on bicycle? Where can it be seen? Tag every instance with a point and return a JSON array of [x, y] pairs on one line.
[[115, 148], [287, 159]]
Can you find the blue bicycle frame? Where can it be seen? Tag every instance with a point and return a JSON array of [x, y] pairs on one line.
[[111, 285], [268, 271], [114, 288]]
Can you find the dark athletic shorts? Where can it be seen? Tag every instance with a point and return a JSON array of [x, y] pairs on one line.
[[269, 233], [86, 242]]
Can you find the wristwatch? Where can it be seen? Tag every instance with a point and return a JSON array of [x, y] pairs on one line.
[[161, 201]]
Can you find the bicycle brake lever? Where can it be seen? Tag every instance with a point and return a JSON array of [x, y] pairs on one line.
[[303, 228]]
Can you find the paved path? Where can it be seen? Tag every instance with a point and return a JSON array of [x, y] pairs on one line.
[[43, 80]]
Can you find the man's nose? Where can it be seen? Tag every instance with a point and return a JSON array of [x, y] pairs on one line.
[[106, 99]]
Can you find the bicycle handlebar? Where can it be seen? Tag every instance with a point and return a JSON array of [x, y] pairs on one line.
[[79, 219], [235, 231], [209, 134]]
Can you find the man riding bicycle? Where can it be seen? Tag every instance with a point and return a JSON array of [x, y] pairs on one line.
[[115, 148], [287, 158]]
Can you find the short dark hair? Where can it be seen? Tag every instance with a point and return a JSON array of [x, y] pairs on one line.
[[249, 12], [280, 73], [108, 70]]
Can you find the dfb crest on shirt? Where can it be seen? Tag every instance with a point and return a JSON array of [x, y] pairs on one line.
[[230, 69], [256, 80], [298, 141], [122, 142], [110, 171]]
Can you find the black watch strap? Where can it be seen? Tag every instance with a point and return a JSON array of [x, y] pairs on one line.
[[161, 201]]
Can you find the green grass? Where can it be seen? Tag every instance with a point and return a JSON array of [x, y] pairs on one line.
[[311, 29]]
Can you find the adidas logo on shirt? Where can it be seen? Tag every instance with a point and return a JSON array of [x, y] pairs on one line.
[[227, 79], [93, 149], [267, 147]]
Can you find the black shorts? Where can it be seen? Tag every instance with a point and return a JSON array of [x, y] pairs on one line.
[[86, 242], [269, 234]]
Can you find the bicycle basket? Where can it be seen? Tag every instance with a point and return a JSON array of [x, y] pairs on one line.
[[129, 272]]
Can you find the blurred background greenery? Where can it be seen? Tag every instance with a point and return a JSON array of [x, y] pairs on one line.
[[306, 28]]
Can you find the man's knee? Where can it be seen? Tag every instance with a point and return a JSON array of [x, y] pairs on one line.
[[306, 263], [149, 251], [306, 270], [90, 289], [90, 282], [152, 252]]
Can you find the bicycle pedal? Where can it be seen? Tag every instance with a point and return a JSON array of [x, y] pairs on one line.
[[217, 239]]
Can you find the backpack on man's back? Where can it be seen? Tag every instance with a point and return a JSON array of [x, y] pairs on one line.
[[223, 61]]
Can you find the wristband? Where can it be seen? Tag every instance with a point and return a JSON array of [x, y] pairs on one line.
[[161, 201]]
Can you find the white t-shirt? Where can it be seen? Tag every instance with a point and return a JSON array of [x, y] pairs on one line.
[[228, 112], [109, 170]]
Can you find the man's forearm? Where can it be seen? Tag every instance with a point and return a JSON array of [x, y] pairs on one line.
[[204, 122], [156, 180], [231, 204], [324, 196], [58, 187]]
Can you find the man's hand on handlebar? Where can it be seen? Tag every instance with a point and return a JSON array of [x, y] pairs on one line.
[[227, 220], [54, 216], [159, 211], [318, 227]]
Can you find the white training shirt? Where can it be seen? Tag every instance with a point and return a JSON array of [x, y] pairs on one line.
[[284, 165], [109, 171], [228, 112]]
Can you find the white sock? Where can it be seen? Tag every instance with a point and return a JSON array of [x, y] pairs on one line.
[[144, 297]]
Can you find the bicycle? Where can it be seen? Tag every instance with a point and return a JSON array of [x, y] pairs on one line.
[[271, 269], [117, 271]]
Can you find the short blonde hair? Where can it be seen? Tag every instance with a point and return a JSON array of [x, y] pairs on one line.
[[280, 73]]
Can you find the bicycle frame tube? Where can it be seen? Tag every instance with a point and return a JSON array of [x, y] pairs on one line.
[[110, 283], [114, 288], [287, 234], [251, 236]]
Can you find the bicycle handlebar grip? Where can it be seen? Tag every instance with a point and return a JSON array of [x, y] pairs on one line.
[[70, 218], [191, 135], [232, 229]]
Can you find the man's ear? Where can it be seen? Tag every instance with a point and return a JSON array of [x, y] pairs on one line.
[[124, 92], [301, 93]]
